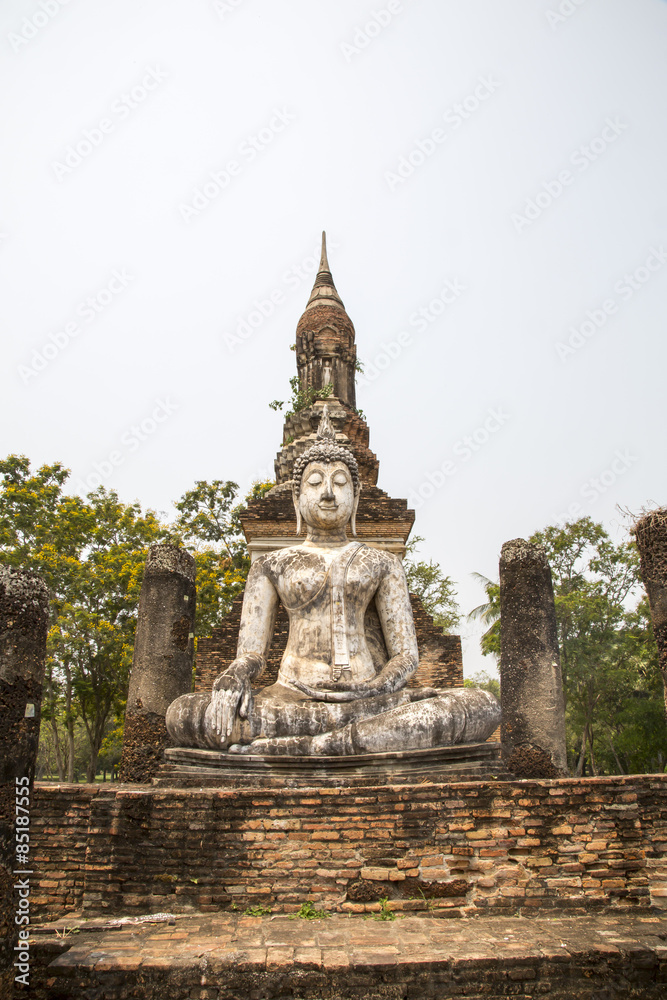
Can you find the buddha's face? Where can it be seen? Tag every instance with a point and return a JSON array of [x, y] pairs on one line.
[[326, 498]]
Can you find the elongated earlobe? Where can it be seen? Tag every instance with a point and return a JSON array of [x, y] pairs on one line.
[[295, 500], [353, 519]]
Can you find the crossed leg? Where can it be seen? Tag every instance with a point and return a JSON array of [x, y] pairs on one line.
[[281, 723], [453, 715]]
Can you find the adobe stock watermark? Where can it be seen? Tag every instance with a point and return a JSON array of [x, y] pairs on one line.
[[464, 450], [131, 440], [225, 7], [87, 311], [121, 109], [420, 320], [454, 117], [594, 488], [22, 885], [563, 12], [364, 34], [625, 289], [249, 322], [31, 26], [581, 159], [219, 180]]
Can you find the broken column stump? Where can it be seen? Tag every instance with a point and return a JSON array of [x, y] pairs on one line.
[[650, 533], [531, 686], [162, 661], [24, 616]]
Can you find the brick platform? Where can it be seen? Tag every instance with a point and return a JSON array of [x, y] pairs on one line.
[[483, 847], [234, 957]]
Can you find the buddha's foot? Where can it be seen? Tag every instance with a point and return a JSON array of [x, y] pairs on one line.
[[418, 694], [289, 746]]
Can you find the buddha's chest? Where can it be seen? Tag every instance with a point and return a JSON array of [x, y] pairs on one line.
[[311, 583]]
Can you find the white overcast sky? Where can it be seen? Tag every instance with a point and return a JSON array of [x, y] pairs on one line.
[[531, 139]]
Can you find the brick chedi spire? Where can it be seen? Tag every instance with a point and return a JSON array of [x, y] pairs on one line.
[[326, 355], [325, 348]]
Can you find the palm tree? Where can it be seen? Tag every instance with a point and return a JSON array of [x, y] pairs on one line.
[[489, 615]]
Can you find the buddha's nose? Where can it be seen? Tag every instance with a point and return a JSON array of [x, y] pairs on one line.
[[328, 492]]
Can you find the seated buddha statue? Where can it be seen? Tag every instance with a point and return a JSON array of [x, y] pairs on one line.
[[352, 647]]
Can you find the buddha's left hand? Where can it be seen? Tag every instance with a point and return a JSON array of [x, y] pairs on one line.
[[348, 690]]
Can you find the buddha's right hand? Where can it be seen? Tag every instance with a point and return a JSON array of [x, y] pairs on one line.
[[232, 696]]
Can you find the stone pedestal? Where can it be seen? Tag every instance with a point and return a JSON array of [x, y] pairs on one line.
[[533, 716], [186, 767], [163, 655], [24, 614], [651, 537]]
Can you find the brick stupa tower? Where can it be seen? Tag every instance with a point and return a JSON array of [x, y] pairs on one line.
[[327, 355]]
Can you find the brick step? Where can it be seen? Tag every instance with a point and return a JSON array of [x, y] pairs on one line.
[[236, 957]]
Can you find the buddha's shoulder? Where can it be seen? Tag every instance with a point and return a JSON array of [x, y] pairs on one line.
[[283, 559], [381, 560], [293, 556]]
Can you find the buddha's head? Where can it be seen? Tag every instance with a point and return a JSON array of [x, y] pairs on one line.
[[326, 483]]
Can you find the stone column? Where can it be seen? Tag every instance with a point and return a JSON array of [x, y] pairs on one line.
[[650, 533], [531, 686], [24, 615], [163, 655]]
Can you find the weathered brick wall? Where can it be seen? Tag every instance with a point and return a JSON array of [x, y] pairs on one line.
[[473, 848], [60, 825], [216, 651], [440, 656]]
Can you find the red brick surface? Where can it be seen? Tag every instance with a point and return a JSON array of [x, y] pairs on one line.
[[471, 848]]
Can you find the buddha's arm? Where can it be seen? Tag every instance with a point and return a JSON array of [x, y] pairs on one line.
[[258, 615], [392, 601], [232, 691]]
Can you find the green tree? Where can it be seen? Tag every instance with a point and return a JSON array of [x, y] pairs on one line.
[[91, 554], [112, 746], [93, 635], [488, 614], [485, 681], [209, 524], [437, 591], [608, 655], [594, 579]]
